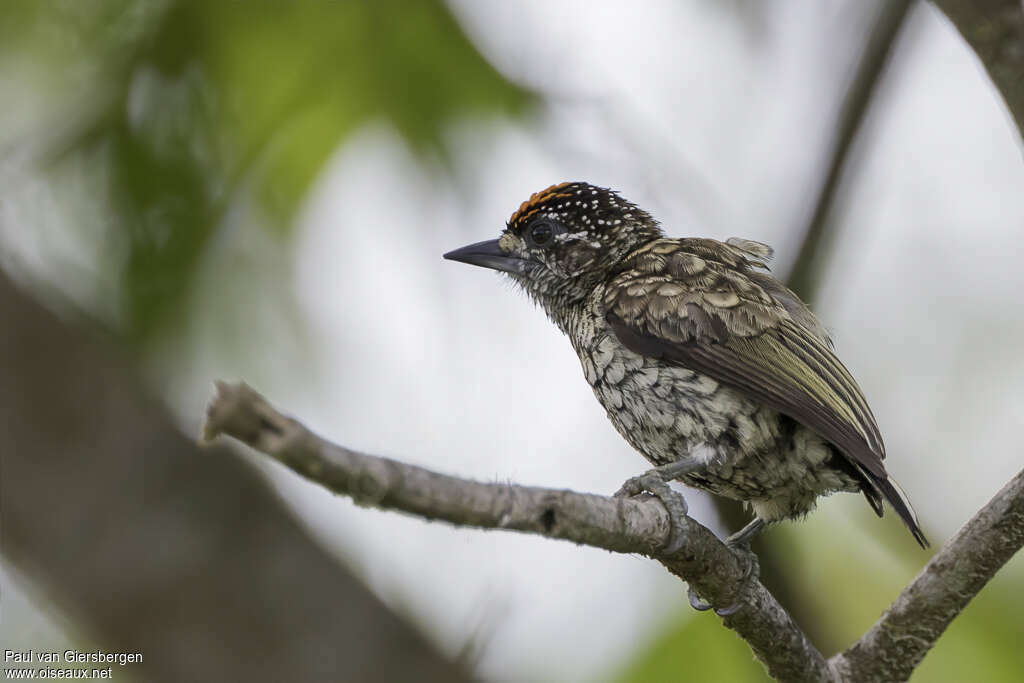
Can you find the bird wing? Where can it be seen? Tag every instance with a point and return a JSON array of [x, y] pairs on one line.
[[699, 304]]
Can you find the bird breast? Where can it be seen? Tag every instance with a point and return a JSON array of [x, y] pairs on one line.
[[664, 411]]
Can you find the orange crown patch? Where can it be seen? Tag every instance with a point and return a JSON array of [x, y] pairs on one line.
[[536, 201]]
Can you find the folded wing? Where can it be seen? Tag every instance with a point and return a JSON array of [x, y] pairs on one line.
[[699, 304]]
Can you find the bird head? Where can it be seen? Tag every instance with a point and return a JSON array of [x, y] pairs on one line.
[[563, 241]]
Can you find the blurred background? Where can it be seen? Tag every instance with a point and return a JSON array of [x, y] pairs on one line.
[[263, 191]]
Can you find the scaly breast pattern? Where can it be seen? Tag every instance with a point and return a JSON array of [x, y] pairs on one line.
[[668, 413]]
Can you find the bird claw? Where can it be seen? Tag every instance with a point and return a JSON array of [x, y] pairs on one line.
[[697, 602], [751, 572], [652, 482]]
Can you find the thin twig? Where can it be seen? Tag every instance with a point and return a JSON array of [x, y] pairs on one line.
[[811, 260]]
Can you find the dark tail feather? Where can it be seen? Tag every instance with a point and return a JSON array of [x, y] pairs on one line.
[[873, 495], [900, 503]]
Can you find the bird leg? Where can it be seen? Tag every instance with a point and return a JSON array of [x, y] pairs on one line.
[[739, 543], [742, 538], [653, 481]]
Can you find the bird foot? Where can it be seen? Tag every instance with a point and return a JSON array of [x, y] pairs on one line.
[[653, 482], [739, 544]]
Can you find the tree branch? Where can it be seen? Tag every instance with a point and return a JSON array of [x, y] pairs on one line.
[[136, 535], [995, 31], [890, 650], [811, 262], [808, 271], [624, 525], [899, 640]]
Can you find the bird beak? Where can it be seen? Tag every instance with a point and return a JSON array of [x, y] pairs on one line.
[[488, 255]]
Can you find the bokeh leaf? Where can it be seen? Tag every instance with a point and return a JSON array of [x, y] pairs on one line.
[[694, 647], [983, 643], [847, 579], [202, 100]]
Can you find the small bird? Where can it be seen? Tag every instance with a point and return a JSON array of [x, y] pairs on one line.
[[710, 367]]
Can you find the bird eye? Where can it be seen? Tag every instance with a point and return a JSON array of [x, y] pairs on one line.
[[541, 233]]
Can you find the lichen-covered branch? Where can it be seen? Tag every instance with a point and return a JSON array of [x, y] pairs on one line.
[[995, 31], [889, 651], [626, 525], [899, 640]]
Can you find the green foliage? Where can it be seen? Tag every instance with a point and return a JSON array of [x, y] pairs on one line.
[[694, 647], [851, 578], [983, 643], [190, 102], [847, 583]]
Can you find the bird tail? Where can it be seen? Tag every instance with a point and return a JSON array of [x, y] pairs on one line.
[[885, 487]]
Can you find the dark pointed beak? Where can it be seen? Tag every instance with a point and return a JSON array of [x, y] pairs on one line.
[[488, 255]]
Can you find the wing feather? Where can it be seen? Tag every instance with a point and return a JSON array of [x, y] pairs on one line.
[[700, 306]]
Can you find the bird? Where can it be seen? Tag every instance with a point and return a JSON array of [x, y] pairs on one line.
[[710, 367]]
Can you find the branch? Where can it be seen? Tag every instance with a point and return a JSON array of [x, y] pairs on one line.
[[899, 640], [995, 31], [624, 525], [810, 263], [890, 650], [135, 533], [816, 246]]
